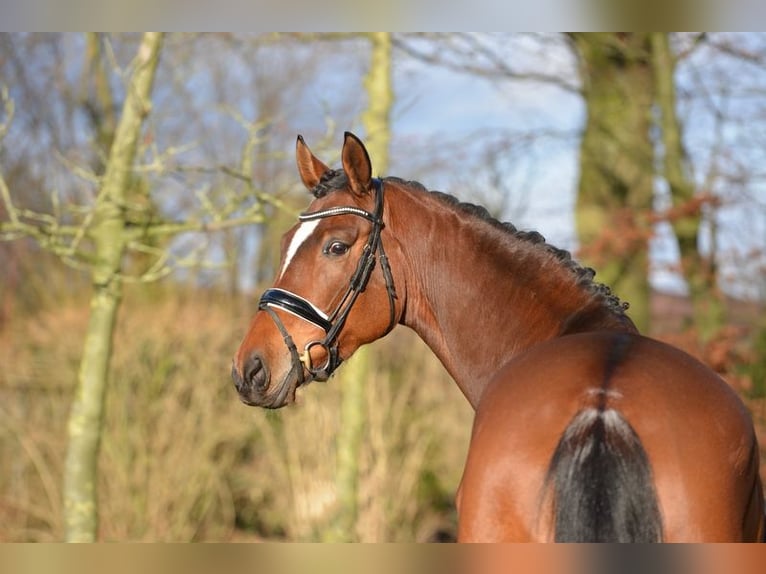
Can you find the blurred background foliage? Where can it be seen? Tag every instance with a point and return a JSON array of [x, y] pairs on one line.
[[181, 459]]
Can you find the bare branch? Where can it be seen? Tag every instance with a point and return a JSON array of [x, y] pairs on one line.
[[8, 110], [458, 52], [697, 41], [261, 196], [172, 228], [757, 58]]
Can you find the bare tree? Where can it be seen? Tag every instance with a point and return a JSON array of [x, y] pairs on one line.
[[107, 228], [643, 95], [98, 238], [616, 188], [376, 122], [698, 268]]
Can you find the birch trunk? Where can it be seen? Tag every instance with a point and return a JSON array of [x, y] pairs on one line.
[[698, 270], [109, 238], [615, 190], [356, 373]]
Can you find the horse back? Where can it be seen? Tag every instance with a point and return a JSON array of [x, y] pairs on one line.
[[694, 431]]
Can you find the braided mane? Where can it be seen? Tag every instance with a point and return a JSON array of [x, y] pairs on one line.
[[336, 179]]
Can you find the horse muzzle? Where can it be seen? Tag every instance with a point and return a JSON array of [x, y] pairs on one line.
[[253, 382]]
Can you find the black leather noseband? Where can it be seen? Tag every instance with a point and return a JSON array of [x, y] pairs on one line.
[[295, 305]]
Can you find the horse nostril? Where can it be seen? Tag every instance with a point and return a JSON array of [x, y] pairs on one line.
[[239, 382], [255, 373]]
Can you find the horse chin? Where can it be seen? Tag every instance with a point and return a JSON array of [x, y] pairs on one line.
[[285, 393], [288, 389]]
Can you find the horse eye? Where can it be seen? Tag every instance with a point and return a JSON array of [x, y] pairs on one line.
[[336, 248]]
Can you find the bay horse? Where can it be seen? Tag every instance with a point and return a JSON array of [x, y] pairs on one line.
[[584, 429]]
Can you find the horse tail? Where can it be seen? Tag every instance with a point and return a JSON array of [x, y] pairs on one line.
[[602, 483]]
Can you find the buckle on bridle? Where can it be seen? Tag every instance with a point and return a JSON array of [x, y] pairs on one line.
[[331, 363]]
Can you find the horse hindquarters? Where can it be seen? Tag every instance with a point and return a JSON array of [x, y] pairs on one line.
[[552, 449], [601, 482]]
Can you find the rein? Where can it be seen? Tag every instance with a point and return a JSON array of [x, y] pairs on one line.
[[332, 324]]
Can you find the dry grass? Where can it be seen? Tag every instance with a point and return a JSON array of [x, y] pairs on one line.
[[39, 360], [182, 459]]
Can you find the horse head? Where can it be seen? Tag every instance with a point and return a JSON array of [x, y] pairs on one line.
[[334, 291]]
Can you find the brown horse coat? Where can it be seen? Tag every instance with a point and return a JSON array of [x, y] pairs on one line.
[[584, 430]]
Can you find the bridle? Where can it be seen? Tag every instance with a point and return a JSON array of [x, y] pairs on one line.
[[332, 324]]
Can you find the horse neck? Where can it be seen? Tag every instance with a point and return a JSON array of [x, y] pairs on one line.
[[479, 295]]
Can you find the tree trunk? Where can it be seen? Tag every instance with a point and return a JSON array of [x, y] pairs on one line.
[[615, 190], [109, 238], [355, 374], [698, 270]]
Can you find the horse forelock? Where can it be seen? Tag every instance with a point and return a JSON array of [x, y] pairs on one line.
[[332, 179]]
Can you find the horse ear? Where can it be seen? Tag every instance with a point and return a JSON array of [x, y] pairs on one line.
[[309, 167], [356, 164]]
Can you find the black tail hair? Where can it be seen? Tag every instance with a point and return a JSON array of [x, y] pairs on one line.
[[602, 483]]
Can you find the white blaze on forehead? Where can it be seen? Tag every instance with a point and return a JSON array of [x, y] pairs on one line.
[[303, 232]]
